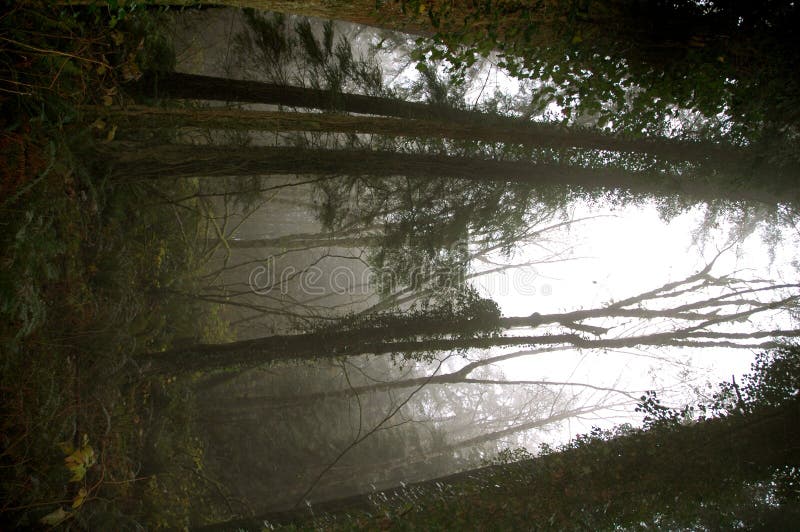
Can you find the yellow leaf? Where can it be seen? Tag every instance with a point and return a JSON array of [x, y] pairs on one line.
[[111, 133], [100, 125], [101, 69], [80, 498], [55, 517], [107, 100]]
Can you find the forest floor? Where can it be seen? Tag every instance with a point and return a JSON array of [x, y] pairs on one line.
[[82, 260]]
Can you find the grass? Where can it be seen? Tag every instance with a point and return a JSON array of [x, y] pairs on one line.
[[83, 262]]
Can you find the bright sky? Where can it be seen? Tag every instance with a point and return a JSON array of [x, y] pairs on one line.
[[619, 256]]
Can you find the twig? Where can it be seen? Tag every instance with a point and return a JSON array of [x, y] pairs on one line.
[[55, 52]]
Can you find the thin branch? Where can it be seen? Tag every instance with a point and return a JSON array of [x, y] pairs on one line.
[[360, 439]]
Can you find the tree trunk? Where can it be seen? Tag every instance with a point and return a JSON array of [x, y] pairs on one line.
[[307, 243], [312, 346], [695, 324], [428, 120], [653, 34], [204, 160]]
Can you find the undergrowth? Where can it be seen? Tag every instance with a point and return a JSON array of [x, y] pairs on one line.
[[84, 268]]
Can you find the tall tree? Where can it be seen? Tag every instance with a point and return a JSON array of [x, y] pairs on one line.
[[699, 322], [427, 119], [190, 161]]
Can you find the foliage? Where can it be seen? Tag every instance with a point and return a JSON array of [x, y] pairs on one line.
[[177, 492], [622, 68], [626, 63], [464, 306], [426, 223], [79, 460], [774, 381], [304, 55]]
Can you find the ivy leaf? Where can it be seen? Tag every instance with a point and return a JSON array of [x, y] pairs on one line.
[[79, 461]]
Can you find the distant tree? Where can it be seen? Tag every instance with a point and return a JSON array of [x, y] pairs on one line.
[[466, 375], [722, 471], [441, 430], [735, 179]]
